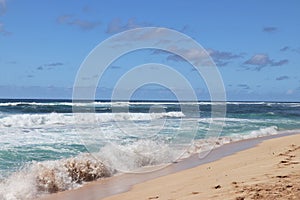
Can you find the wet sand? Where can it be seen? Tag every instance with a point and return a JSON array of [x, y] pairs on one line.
[[270, 170]]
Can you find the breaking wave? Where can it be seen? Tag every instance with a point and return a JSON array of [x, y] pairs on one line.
[[33, 120], [38, 178], [204, 145], [52, 176]]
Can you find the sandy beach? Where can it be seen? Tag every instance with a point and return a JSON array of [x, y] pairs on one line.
[[149, 100], [270, 170]]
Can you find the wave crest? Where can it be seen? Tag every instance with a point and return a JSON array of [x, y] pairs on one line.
[[52, 176], [33, 120]]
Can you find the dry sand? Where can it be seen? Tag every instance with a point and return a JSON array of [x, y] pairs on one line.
[[270, 170]]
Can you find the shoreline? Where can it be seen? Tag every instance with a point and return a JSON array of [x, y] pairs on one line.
[[270, 170], [123, 184]]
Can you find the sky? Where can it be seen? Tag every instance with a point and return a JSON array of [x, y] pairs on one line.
[[254, 44]]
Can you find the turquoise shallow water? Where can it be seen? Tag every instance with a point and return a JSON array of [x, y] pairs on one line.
[[39, 135]]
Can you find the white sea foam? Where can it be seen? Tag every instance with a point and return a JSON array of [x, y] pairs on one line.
[[207, 144], [39, 178], [33, 120], [132, 157], [96, 104], [228, 119], [52, 176]]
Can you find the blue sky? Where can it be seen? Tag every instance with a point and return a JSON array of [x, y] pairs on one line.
[[255, 44]]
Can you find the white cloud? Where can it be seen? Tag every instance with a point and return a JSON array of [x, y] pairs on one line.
[[196, 56], [82, 24], [162, 38], [222, 58], [258, 59], [263, 60], [116, 25]]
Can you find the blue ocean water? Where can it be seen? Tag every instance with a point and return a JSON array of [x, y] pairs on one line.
[[42, 143]]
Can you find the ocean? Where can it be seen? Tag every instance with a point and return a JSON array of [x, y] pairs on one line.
[[45, 147]]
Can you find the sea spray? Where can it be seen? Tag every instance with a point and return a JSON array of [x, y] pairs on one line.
[[133, 156], [52, 176], [38, 178]]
